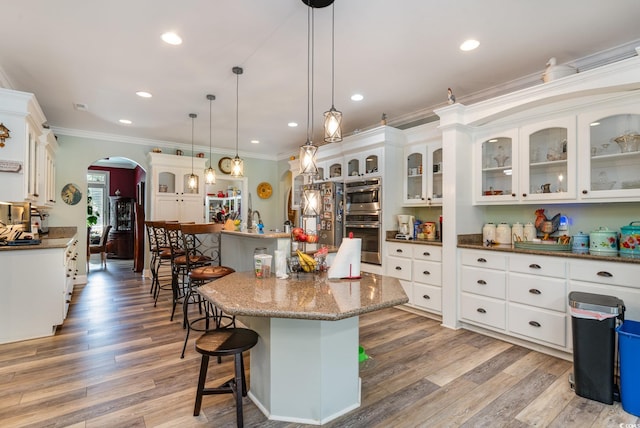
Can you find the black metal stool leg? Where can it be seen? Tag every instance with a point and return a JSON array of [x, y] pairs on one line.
[[204, 364], [239, 387]]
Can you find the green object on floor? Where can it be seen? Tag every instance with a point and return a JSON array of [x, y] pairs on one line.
[[362, 356]]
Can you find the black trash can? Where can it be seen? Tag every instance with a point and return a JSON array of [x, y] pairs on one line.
[[593, 323]]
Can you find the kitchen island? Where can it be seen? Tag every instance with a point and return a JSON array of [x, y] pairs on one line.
[[305, 366], [237, 247]]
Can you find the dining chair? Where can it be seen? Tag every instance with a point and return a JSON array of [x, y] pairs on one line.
[[99, 248]]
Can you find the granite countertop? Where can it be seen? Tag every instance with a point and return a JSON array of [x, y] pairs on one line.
[[307, 296], [249, 234], [58, 237], [416, 241], [474, 242]]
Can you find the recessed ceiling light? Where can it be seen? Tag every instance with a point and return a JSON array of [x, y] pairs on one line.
[[469, 45], [125, 121], [292, 124], [255, 141], [144, 94], [171, 38], [357, 97], [594, 124]]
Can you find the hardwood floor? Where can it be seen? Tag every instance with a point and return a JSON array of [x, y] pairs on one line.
[[116, 363]]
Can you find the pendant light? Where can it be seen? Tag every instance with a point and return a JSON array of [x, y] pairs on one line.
[[210, 173], [308, 151], [192, 183], [237, 166], [333, 117]]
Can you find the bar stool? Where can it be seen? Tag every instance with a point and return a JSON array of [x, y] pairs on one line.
[[162, 279], [219, 343], [153, 263], [178, 263], [202, 244]]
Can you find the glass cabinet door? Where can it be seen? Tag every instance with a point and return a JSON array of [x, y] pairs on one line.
[[166, 182], [371, 164], [498, 156], [436, 168], [614, 156], [414, 178], [353, 167], [548, 162], [335, 170]]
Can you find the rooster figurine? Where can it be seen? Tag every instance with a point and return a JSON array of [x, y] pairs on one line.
[[545, 226]]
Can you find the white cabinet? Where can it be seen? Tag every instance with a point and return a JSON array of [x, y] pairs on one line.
[[21, 114], [330, 169], [47, 171], [71, 273], [419, 269], [423, 175], [215, 205], [368, 162], [521, 295], [609, 169], [297, 183], [172, 198]]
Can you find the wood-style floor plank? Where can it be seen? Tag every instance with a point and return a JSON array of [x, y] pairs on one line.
[[116, 363]]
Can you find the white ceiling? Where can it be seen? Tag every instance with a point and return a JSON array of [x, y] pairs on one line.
[[401, 55]]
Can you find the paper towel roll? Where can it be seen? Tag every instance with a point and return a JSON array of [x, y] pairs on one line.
[[347, 261]]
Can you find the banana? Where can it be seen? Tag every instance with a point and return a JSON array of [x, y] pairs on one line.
[[307, 262]]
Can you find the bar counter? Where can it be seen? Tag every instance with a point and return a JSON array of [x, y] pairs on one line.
[[305, 366]]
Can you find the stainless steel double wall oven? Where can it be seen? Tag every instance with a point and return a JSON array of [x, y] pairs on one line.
[[363, 214]]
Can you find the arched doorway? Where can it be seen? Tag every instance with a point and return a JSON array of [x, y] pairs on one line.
[[116, 191]]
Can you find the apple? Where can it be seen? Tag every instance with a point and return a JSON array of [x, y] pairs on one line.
[[312, 238], [297, 231], [302, 237]]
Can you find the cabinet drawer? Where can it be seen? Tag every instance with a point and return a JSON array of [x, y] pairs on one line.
[[485, 282], [483, 310], [630, 296], [399, 268], [626, 274], [484, 259], [548, 293], [537, 265], [399, 250], [427, 252], [537, 324], [427, 272], [427, 297]]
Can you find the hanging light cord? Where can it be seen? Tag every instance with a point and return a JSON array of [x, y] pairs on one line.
[[333, 49], [310, 47], [237, 108], [210, 102], [192, 122]]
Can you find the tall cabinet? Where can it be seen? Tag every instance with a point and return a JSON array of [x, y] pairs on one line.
[[172, 199], [122, 227]]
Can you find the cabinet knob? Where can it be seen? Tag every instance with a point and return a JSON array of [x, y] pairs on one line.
[[534, 266], [426, 297], [481, 260], [584, 192], [534, 291], [524, 195], [482, 282], [426, 253], [534, 324], [605, 274], [513, 195], [426, 272], [428, 199], [398, 268], [482, 310]]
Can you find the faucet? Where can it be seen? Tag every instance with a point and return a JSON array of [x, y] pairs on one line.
[[253, 214]]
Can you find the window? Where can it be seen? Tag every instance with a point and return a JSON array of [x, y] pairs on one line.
[[97, 189]]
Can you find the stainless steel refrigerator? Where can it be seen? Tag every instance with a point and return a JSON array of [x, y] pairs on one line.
[[331, 215]]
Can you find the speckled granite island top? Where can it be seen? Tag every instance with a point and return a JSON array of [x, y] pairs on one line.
[[311, 297]]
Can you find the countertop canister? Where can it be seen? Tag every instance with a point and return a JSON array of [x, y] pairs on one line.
[[503, 234], [630, 240], [489, 233], [517, 230], [603, 242], [580, 243], [530, 232]]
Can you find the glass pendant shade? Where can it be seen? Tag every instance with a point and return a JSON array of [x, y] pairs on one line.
[[237, 167], [192, 183], [210, 175], [333, 126], [308, 165], [311, 202]]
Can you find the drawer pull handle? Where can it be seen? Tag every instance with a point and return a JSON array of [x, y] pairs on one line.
[[481, 310], [534, 324], [482, 260], [605, 274], [426, 254], [426, 297], [399, 250], [534, 266], [534, 291], [398, 268], [482, 282], [426, 272]]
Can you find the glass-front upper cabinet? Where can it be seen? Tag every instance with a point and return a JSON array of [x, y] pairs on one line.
[[611, 158], [423, 174], [364, 163], [548, 160], [498, 158], [436, 177], [414, 177]]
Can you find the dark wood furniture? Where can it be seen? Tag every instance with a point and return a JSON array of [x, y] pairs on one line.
[[123, 225]]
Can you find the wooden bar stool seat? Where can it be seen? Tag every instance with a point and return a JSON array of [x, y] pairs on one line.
[[220, 343], [209, 273]]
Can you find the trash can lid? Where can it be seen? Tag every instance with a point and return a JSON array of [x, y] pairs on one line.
[[595, 302]]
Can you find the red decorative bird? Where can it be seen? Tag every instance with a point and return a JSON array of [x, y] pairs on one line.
[[544, 225]]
